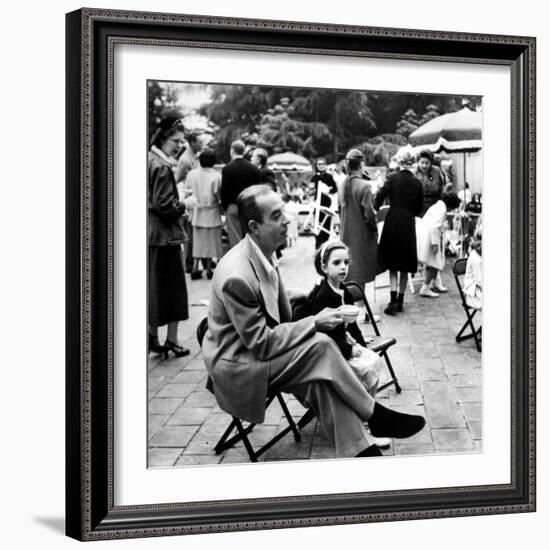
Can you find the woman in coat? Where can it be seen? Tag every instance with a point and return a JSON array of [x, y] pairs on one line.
[[358, 228], [432, 179], [431, 245], [204, 183], [167, 291], [397, 248]]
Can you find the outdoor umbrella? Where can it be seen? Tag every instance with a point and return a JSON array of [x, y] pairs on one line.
[[457, 133], [461, 126], [288, 162]]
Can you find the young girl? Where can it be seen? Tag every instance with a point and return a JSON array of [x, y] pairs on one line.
[[473, 278], [332, 263]]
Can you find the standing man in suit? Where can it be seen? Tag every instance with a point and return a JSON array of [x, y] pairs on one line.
[[236, 176], [253, 345]]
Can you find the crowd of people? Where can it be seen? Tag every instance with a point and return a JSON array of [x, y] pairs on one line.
[[190, 203]]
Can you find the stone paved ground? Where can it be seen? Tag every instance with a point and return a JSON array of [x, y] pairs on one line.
[[440, 379]]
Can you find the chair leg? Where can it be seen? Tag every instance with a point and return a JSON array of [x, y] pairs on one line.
[[393, 380], [220, 445], [243, 433], [292, 424]]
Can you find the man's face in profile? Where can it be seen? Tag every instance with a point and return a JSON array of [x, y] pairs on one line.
[[272, 232]]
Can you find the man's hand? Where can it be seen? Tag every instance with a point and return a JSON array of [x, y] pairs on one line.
[[328, 319]]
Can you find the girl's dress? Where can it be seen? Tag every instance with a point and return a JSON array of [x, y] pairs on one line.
[[473, 278], [367, 365]]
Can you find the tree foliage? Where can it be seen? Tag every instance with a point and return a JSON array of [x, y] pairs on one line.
[[161, 102], [314, 122]]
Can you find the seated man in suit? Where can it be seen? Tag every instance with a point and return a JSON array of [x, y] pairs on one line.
[[252, 344]]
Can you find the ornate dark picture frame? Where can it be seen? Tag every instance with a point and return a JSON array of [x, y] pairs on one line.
[[90, 510]]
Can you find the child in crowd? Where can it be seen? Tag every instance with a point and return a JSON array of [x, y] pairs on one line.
[[291, 209], [332, 263], [473, 280]]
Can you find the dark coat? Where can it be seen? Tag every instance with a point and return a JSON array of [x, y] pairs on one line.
[[397, 248], [165, 210], [236, 176], [323, 296], [358, 229], [433, 184]]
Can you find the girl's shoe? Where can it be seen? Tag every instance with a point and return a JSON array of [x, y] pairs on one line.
[[439, 288], [381, 442], [155, 346], [176, 349], [427, 293], [209, 274], [196, 274]]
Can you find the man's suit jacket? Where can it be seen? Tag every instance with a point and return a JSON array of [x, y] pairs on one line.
[[236, 176], [248, 326]]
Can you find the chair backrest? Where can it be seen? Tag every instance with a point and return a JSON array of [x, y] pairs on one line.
[[459, 268], [358, 295], [301, 308], [201, 330], [202, 327]]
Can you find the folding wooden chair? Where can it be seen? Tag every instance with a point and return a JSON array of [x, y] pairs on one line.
[[459, 268], [321, 213], [380, 344], [242, 431]]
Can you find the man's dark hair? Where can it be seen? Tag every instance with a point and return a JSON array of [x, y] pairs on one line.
[[354, 163], [247, 204], [193, 136], [238, 147], [262, 155], [207, 158]]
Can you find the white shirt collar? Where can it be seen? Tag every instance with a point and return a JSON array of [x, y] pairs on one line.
[[269, 266], [161, 154]]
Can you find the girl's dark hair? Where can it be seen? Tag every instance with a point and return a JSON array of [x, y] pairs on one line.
[[322, 254], [207, 158], [451, 200], [166, 128]]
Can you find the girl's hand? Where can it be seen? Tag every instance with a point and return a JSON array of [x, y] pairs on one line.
[[435, 248]]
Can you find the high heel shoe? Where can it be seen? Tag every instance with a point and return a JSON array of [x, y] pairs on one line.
[[176, 349], [155, 346]]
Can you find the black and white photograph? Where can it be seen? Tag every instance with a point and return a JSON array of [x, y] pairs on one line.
[[314, 273]]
